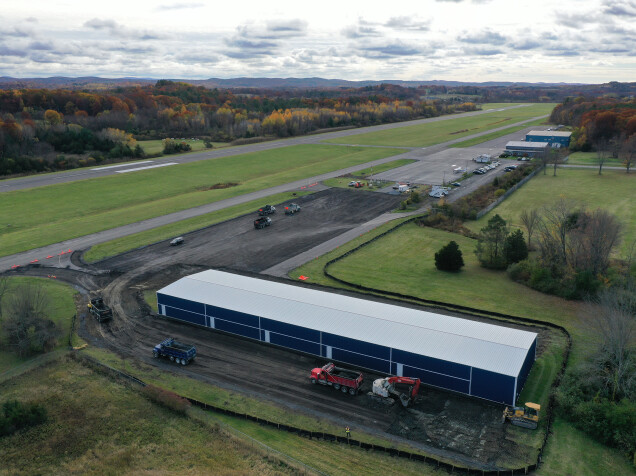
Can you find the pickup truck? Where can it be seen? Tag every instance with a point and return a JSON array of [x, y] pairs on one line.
[[176, 351], [100, 310]]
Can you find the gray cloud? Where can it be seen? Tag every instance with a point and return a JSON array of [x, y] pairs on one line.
[[390, 50], [526, 44], [6, 51], [483, 51], [179, 6], [486, 37], [296, 27], [362, 29], [574, 20], [120, 31], [407, 23], [17, 31], [40, 45], [620, 8]]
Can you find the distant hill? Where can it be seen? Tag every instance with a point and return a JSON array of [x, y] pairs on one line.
[[92, 82]]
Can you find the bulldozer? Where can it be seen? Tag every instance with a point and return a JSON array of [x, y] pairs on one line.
[[526, 416]]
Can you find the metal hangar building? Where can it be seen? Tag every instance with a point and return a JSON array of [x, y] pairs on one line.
[[554, 138], [475, 358]]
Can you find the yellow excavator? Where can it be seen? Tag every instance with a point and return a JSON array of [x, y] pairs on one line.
[[526, 416]]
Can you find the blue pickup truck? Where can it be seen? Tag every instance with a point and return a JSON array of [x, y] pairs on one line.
[[176, 351]]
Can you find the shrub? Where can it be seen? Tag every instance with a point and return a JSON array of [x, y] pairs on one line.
[[171, 146], [16, 415], [499, 192], [520, 272], [167, 399], [449, 258]]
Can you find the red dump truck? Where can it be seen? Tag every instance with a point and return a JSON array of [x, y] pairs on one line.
[[340, 379]]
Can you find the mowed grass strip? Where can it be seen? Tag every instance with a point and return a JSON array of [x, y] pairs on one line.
[[60, 309], [570, 451], [423, 135], [591, 158], [496, 135], [612, 191], [37, 217], [152, 147], [98, 426], [131, 242]]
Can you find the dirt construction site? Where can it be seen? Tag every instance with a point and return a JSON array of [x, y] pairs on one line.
[[466, 430]]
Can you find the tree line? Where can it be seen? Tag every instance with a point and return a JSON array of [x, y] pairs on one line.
[[605, 125], [37, 126]]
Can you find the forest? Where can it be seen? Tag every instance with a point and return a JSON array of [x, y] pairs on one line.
[[49, 129]]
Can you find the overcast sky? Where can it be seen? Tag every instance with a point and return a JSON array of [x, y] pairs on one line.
[[586, 41]]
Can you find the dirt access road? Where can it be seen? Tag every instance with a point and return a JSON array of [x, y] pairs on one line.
[[454, 426]]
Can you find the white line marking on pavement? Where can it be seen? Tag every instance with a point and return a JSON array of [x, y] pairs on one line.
[[144, 168], [123, 165]]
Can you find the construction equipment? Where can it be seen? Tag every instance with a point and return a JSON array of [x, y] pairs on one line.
[[526, 416], [176, 351], [340, 379], [100, 310], [388, 386]]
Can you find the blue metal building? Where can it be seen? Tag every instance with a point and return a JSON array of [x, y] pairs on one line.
[[526, 149], [471, 357], [554, 138]]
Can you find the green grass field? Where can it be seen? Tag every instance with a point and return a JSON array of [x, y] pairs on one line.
[[152, 147], [497, 105], [495, 135], [87, 206], [61, 308], [613, 191], [591, 158], [98, 426], [432, 133], [131, 242]]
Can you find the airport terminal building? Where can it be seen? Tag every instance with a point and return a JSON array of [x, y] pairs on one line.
[[467, 356]]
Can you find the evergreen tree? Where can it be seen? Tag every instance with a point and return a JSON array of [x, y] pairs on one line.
[[449, 258], [515, 248], [492, 239]]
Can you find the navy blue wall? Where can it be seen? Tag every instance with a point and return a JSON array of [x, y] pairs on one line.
[[564, 141], [527, 365], [492, 386], [440, 373]]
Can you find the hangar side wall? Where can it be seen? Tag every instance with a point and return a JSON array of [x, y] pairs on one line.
[[431, 371]]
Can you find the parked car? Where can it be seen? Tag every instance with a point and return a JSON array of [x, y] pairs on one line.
[[177, 241], [478, 172], [262, 222], [456, 184], [266, 210], [292, 208]]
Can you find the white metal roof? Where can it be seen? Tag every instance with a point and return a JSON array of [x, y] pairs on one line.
[[521, 143], [549, 133], [473, 343]]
